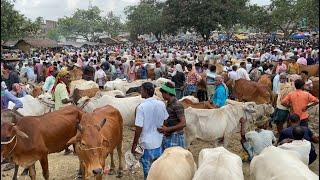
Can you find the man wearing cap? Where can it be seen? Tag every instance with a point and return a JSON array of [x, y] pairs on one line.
[[253, 142], [174, 125]]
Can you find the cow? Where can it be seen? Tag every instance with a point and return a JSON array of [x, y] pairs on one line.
[[133, 90], [77, 93], [218, 163], [175, 163], [248, 91], [151, 74], [99, 133], [313, 70], [29, 104], [315, 89], [265, 166], [126, 106], [266, 80], [76, 74], [32, 138], [213, 124], [201, 105], [82, 85]]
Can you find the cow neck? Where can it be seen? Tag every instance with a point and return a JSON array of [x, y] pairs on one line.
[[245, 114], [14, 146]]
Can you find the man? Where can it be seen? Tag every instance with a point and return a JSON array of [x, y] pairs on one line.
[[88, 72], [281, 67], [253, 142], [30, 73], [18, 91], [307, 82], [150, 116], [302, 60], [298, 144], [50, 80], [281, 112], [174, 125], [299, 100], [286, 133], [39, 70], [233, 74], [249, 64], [242, 73], [221, 93], [179, 79], [12, 78], [100, 77]]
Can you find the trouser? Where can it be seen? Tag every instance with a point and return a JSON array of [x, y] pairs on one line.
[[304, 122], [148, 157], [179, 93], [174, 139], [249, 150]]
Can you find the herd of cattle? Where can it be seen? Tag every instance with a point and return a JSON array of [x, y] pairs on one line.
[[94, 126]]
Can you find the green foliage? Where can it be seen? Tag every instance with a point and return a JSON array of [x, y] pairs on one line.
[[112, 24], [145, 18], [54, 34], [84, 23], [14, 25]]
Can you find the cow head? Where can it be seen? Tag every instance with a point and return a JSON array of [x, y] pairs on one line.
[[250, 107], [9, 132], [91, 147]]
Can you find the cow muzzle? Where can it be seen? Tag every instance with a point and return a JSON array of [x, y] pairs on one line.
[[97, 172]]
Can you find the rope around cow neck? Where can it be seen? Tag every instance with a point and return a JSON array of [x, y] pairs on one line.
[[8, 142], [14, 146]]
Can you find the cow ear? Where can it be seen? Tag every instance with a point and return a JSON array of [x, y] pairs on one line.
[[19, 132], [73, 140], [101, 124]]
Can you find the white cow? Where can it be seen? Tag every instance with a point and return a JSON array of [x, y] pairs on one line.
[[123, 85], [31, 106], [212, 124], [175, 163], [218, 164], [126, 106], [160, 81], [278, 164], [82, 85], [110, 93]]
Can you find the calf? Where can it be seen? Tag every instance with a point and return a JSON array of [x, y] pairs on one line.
[[99, 133], [32, 138], [175, 163]]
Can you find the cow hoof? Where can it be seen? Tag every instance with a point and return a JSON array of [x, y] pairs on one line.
[[111, 172]]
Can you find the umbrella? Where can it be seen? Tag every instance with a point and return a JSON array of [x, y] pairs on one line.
[[298, 36]]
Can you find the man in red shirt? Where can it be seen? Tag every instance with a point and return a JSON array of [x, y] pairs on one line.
[[299, 101]]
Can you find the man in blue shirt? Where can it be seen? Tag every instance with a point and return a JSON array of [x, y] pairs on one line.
[[221, 93]]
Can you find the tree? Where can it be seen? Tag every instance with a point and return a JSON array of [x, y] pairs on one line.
[[145, 18], [258, 18], [54, 34], [84, 23], [112, 24]]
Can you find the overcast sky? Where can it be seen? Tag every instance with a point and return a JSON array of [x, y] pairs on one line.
[[54, 9]]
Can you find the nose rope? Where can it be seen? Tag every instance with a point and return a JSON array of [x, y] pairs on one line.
[[14, 146]]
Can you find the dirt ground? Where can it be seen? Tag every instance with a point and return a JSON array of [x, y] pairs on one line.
[[63, 167]]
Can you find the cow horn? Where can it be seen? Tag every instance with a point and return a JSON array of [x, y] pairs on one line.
[[20, 133], [79, 127]]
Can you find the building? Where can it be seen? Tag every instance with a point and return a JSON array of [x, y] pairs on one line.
[[27, 44], [47, 26]]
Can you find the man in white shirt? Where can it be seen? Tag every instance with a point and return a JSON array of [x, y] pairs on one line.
[[150, 116], [298, 144], [253, 142], [242, 73], [249, 65], [233, 74]]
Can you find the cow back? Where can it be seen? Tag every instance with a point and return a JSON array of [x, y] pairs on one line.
[[113, 128], [315, 88], [248, 91], [313, 70], [58, 127], [78, 93]]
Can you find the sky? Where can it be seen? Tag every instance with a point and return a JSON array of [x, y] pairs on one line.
[[54, 9]]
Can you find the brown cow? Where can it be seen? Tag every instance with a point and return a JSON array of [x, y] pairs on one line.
[[201, 105], [36, 91], [32, 138], [266, 80], [248, 91], [95, 141], [151, 74], [315, 88], [76, 74], [77, 93], [313, 70]]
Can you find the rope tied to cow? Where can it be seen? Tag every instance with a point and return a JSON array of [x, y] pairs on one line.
[[14, 146], [93, 148]]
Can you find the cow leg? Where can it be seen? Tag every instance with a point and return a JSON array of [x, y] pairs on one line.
[[119, 151], [111, 171], [32, 172], [15, 174], [44, 165]]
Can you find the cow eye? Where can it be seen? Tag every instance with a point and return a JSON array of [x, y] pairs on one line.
[[83, 144]]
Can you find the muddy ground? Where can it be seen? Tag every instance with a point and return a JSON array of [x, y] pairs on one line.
[[63, 167]]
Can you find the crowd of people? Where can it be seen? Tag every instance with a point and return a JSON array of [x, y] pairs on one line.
[[193, 69]]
